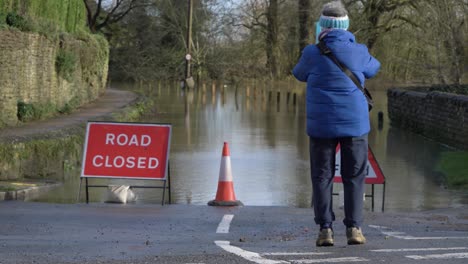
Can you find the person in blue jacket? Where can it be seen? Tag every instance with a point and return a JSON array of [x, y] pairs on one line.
[[337, 113]]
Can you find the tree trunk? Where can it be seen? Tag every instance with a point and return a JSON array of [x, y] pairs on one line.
[[304, 23], [272, 38]]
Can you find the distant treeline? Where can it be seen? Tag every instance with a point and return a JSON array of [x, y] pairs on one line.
[[417, 41]]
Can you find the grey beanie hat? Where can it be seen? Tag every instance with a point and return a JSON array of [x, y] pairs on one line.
[[334, 9], [334, 15]]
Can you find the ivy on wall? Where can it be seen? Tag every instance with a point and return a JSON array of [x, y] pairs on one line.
[[80, 57], [65, 64], [68, 15]]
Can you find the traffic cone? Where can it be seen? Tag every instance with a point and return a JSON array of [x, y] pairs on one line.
[[225, 195]]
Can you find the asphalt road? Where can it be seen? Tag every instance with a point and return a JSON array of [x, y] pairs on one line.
[[134, 233]]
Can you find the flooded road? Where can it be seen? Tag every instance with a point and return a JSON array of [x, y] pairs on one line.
[[266, 134]]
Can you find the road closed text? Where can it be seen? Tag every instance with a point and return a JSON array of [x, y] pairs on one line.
[[127, 162], [121, 161]]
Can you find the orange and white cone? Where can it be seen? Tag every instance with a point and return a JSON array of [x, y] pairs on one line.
[[225, 195]]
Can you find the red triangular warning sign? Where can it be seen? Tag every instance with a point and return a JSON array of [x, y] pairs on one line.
[[374, 173]]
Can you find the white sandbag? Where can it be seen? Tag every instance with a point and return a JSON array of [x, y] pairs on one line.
[[117, 193], [131, 196]]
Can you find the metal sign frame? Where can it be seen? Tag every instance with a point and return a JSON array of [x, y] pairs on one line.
[[167, 173], [372, 181]]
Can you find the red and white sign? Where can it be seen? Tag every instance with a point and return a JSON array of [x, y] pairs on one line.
[[126, 150], [374, 173]]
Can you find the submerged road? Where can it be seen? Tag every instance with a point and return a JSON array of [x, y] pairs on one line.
[[135, 233]]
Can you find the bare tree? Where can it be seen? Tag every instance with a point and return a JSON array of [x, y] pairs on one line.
[[378, 17], [101, 14], [447, 18], [304, 23], [263, 15], [272, 43]]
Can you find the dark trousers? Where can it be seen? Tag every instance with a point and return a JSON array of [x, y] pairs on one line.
[[353, 172]]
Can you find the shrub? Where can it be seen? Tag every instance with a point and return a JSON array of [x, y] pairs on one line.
[[25, 111], [3, 24], [29, 112], [70, 105], [65, 64], [17, 21], [2, 18], [47, 28]]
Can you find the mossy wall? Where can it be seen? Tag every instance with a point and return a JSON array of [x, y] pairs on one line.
[[30, 72], [49, 61], [68, 15], [49, 64]]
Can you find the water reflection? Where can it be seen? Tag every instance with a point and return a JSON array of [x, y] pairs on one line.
[[265, 125]]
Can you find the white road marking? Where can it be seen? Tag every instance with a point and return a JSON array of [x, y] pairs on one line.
[[402, 235], [295, 253], [416, 249], [379, 227], [248, 255], [223, 227], [330, 260], [440, 256]]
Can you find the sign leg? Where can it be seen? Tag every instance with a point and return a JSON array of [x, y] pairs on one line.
[[373, 197], [78, 198], [87, 191], [383, 197], [164, 192], [169, 179]]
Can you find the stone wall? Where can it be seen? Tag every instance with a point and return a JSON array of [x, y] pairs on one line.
[[436, 115], [28, 72]]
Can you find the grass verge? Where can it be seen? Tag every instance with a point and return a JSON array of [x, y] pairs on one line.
[[454, 166]]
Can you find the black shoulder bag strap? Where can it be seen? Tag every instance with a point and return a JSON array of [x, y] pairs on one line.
[[324, 50]]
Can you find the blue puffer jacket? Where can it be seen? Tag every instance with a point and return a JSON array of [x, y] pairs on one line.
[[335, 105]]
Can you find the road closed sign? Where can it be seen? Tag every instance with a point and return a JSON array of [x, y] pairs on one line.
[[126, 150]]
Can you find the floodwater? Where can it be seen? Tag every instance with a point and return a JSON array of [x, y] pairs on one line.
[[264, 126]]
